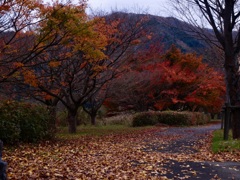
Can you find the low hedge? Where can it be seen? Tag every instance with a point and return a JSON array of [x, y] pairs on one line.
[[145, 119], [170, 118], [24, 122]]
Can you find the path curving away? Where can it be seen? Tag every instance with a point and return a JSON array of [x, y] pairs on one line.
[[184, 140]]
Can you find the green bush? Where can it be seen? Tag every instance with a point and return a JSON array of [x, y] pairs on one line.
[[23, 122], [145, 119], [174, 118], [9, 125], [170, 118]]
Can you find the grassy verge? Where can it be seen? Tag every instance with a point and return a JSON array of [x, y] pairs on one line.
[[220, 145], [98, 131]]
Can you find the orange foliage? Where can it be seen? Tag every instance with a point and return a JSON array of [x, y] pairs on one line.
[[78, 44], [30, 78], [18, 64], [54, 64], [189, 82]]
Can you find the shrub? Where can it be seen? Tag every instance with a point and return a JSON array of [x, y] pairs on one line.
[[170, 118], [173, 118], [23, 122], [9, 125], [145, 119], [34, 124]]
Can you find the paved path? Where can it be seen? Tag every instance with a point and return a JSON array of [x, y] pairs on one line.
[[184, 142]]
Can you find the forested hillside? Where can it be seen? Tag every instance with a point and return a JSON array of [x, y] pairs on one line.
[[168, 31]]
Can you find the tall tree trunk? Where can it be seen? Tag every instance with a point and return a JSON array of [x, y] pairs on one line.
[[236, 123], [233, 93], [93, 118], [72, 121]]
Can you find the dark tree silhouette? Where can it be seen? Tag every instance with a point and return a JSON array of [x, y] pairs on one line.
[[223, 16]]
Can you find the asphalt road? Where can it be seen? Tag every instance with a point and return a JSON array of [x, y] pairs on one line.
[[184, 143]]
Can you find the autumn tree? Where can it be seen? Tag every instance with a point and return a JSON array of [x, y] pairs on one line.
[[19, 46], [21, 43], [223, 17], [129, 34], [67, 72], [87, 56], [188, 84], [176, 81]]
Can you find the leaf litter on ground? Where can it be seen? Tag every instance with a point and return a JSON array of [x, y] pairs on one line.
[[115, 156]]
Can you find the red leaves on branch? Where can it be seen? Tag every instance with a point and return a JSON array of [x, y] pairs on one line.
[[173, 80], [191, 83]]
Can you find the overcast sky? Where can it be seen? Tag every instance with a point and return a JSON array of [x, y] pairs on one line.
[[155, 7]]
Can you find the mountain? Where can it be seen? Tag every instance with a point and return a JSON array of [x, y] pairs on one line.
[[173, 31], [168, 31]]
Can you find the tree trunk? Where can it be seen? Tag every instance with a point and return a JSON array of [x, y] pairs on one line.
[[236, 123], [233, 93], [93, 118], [72, 122]]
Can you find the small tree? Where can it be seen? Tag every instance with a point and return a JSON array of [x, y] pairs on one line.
[[188, 84], [69, 71]]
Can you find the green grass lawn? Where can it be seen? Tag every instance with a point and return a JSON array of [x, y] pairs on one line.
[[220, 145]]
